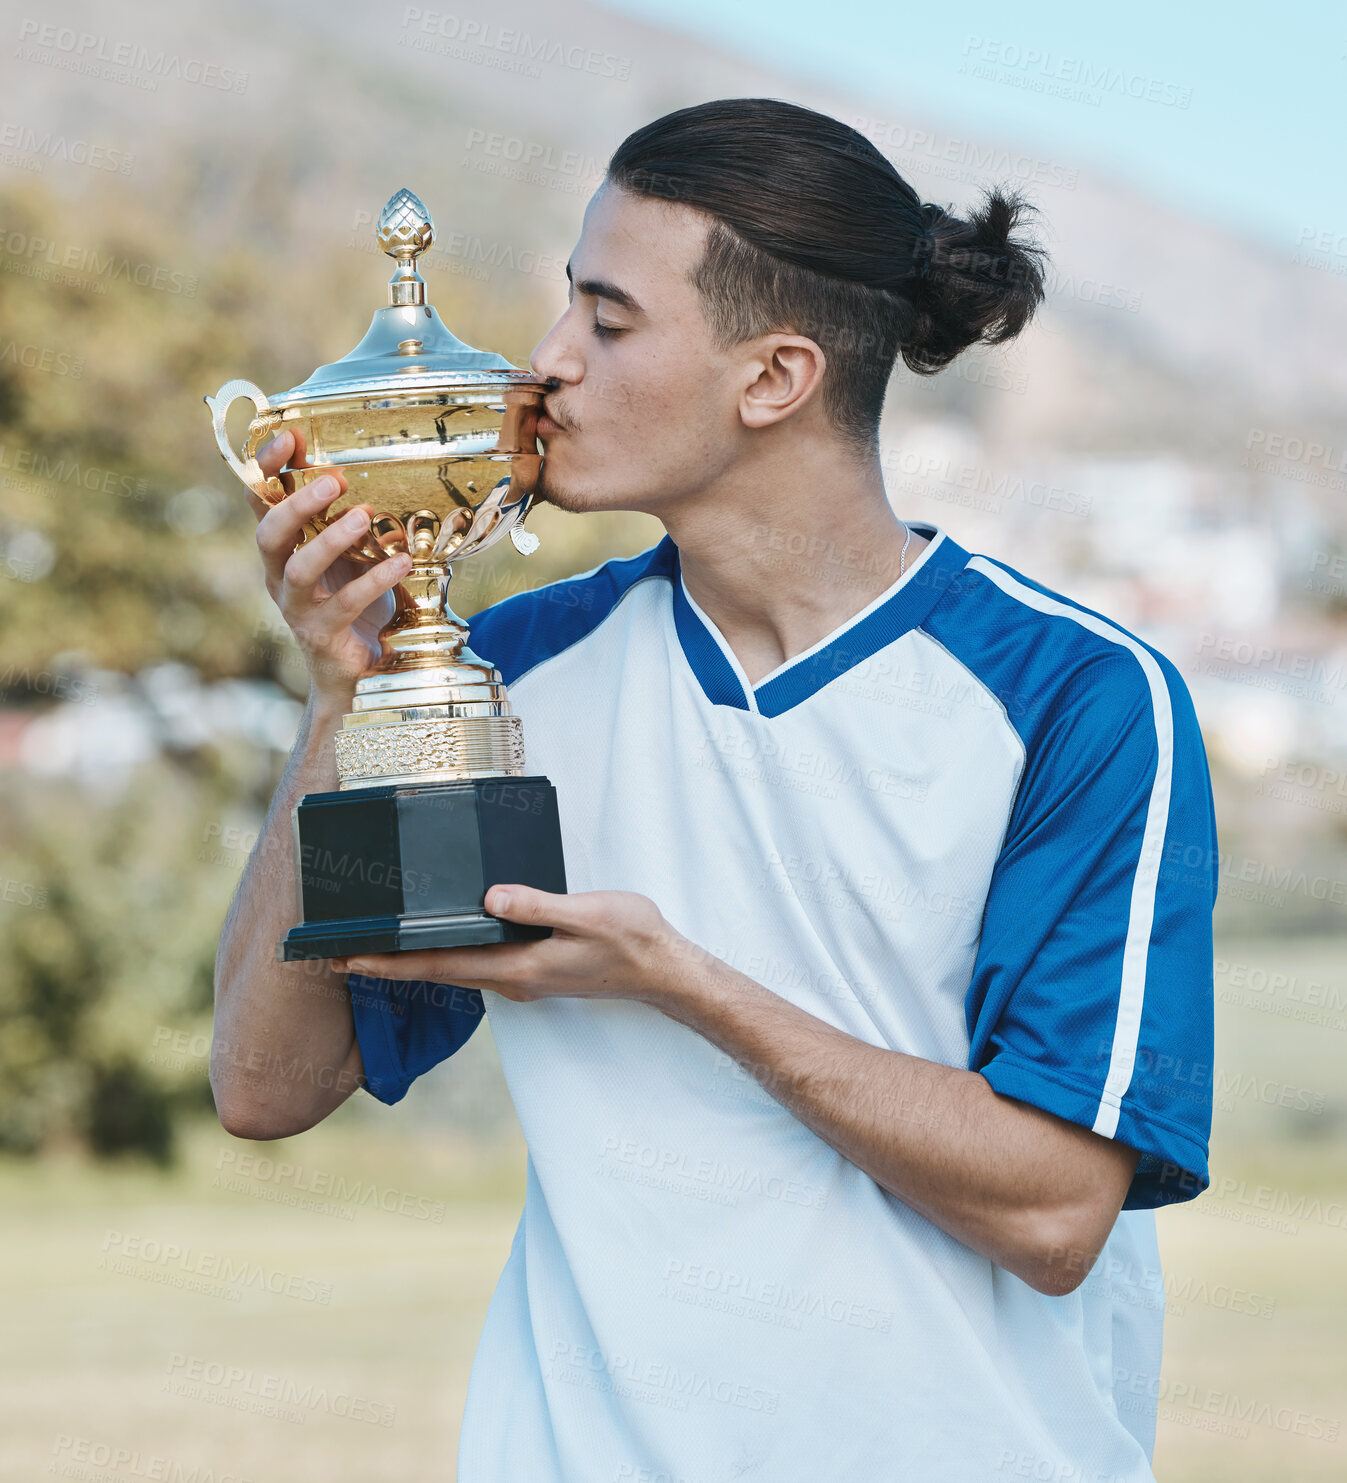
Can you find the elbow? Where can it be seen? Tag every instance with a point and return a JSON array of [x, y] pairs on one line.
[[257, 1124], [1054, 1281], [1061, 1253], [253, 1118]]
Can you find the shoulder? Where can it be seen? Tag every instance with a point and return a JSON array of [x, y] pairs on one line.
[[521, 632], [1053, 664]]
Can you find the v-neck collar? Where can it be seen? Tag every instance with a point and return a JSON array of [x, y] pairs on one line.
[[893, 613]]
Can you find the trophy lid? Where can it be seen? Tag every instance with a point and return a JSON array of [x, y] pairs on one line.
[[407, 346]]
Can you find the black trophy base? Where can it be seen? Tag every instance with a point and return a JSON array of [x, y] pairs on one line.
[[406, 865]]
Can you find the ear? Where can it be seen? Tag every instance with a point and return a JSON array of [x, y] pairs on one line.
[[785, 371]]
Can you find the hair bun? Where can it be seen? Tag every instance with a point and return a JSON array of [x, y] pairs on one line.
[[980, 283], [923, 249]]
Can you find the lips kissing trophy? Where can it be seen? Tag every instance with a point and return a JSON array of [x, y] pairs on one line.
[[434, 805]]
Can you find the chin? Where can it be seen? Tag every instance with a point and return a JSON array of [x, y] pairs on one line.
[[574, 498]]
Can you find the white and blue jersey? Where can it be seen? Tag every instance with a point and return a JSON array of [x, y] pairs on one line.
[[975, 825]]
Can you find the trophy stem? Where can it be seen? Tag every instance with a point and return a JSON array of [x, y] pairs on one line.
[[430, 710], [424, 629]]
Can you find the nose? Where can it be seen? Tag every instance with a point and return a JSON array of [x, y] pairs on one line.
[[555, 356]]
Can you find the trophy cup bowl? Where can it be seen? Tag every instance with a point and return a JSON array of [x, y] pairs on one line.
[[432, 807]]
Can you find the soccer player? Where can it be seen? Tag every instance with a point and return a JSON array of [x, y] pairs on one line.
[[878, 1019]]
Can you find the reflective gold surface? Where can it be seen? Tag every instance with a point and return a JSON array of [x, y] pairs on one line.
[[457, 461], [440, 441], [431, 751]]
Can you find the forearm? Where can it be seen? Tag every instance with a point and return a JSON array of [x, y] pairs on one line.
[[1012, 1182], [284, 1053], [1035, 1193]]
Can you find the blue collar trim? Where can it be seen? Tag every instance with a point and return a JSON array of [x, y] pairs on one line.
[[714, 671], [863, 637]]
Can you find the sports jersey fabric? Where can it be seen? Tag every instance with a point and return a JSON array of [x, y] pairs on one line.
[[973, 824]]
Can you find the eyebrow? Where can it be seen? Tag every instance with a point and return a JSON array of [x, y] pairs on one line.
[[597, 288]]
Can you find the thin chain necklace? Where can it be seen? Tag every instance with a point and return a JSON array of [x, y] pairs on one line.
[[902, 555]]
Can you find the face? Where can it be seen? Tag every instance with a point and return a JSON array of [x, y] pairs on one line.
[[645, 410]]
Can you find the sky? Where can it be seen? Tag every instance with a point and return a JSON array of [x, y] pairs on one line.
[[1236, 112]]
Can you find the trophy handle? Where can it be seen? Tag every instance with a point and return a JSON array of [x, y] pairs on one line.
[[496, 515], [248, 470]]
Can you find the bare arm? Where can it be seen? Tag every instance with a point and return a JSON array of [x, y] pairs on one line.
[[284, 1053], [1034, 1193]]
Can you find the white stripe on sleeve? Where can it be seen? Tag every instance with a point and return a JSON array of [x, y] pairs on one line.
[[1132, 988]]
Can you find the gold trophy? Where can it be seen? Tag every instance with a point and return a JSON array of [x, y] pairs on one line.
[[434, 806]]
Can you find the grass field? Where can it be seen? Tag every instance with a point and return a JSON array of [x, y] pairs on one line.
[[314, 1317]]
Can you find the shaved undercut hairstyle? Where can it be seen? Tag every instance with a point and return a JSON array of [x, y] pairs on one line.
[[814, 233]]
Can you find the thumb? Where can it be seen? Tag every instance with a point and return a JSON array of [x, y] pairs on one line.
[[529, 905]]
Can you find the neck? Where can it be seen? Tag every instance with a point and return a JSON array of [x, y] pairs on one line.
[[779, 557]]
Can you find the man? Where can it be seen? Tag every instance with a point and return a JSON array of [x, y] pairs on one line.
[[858, 1029]]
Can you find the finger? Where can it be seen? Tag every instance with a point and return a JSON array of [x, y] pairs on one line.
[[539, 908], [497, 962], [271, 456], [304, 567], [287, 444], [355, 596], [279, 530]]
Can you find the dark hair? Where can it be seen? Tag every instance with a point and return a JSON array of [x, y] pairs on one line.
[[816, 232]]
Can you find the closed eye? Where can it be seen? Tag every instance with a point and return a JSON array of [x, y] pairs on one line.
[[606, 331]]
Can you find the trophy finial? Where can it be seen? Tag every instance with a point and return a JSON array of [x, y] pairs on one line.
[[405, 232]]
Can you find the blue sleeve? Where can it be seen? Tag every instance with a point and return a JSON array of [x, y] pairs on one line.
[[406, 1027], [1092, 993]]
